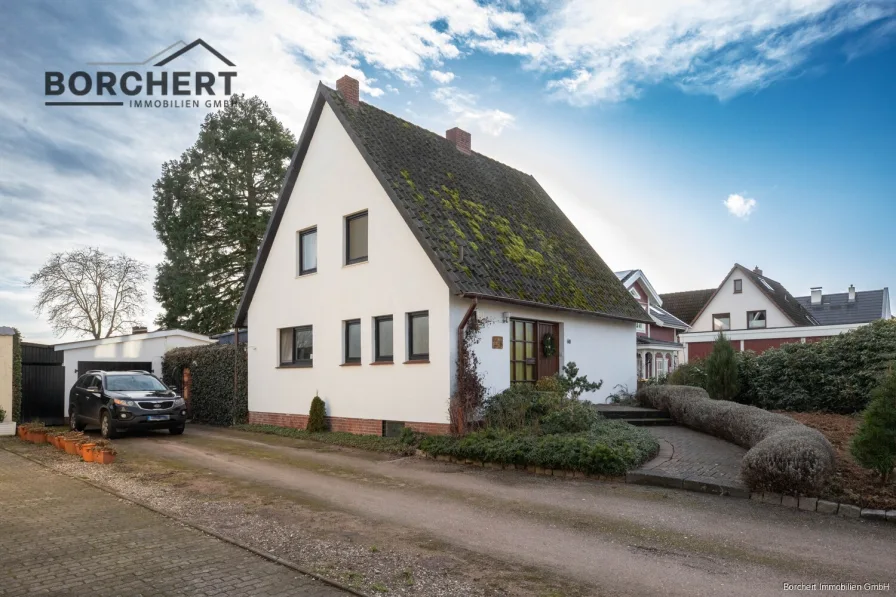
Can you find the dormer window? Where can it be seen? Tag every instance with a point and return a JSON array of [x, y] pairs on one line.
[[738, 286], [634, 293]]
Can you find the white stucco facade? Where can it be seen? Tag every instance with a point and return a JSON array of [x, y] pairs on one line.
[[602, 348], [737, 304], [398, 278], [139, 348]]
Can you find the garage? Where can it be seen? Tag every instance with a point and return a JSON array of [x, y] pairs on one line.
[[140, 350]]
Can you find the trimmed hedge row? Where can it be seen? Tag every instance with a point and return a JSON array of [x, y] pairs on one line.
[[784, 456], [212, 397], [609, 448], [16, 377]]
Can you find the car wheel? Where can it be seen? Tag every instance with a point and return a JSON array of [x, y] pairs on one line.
[[73, 422], [106, 428], [177, 430]]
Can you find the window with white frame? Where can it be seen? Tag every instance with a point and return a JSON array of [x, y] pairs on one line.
[[755, 319]]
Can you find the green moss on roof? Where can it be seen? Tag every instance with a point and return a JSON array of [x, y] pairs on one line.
[[523, 247]]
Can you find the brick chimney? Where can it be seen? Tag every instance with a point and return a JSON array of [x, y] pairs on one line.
[[460, 138], [852, 294], [349, 89], [757, 271]]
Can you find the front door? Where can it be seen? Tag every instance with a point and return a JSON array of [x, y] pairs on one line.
[[548, 350]]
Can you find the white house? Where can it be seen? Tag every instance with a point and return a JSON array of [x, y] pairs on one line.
[[140, 351], [756, 313], [385, 241]]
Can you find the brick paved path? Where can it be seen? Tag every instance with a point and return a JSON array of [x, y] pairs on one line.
[[688, 458], [59, 536]]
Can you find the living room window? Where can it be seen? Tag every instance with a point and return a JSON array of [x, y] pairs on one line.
[[382, 338], [308, 251], [738, 286], [755, 319], [297, 346], [353, 341], [356, 238], [721, 321], [418, 336]]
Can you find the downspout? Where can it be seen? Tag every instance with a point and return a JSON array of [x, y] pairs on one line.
[[462, 416]]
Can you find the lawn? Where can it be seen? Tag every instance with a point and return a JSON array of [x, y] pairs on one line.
[[850, 483]]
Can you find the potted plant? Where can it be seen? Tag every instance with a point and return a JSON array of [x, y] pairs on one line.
[[23, 431], [37, 432], [6, 427], [104, 454], [85, 444], [71, 440]]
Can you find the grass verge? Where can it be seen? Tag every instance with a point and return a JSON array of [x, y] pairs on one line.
[[375, 443]]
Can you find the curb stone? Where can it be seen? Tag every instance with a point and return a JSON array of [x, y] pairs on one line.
[[826, 507], [874, 514], [849, 511], [808, 504], [788, 501]]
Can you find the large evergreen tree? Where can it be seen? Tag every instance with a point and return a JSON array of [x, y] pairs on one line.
[[211, 209], [721, 370]]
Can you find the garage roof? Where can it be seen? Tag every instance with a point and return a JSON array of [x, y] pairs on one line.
[[133, 337]]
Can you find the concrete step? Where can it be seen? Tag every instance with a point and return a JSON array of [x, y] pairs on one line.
[[648, 421]]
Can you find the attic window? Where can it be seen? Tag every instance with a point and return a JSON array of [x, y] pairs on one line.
[[738, 286], [767, 285], [356, 238]]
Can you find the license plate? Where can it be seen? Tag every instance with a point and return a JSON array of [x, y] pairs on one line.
[[157, 418]]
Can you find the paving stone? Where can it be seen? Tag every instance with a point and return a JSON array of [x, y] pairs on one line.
[[788, 501], [826, 507], [848, 511], [874, 514], [55, 547], [807, 503]]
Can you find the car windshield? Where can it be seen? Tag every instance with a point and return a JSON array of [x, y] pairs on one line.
[[133, 383]]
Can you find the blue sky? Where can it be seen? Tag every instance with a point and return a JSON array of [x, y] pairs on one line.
[[681, 136]]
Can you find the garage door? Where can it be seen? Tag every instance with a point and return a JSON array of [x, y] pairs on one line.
[[85, 366]]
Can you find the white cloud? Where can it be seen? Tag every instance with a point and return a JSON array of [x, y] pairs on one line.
[[464, 107], [442, 78], [740, 206]]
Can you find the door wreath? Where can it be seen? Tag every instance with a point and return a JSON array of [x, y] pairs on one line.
[[548, 346]]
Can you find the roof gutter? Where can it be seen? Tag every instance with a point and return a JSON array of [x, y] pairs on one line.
[[535, 305]]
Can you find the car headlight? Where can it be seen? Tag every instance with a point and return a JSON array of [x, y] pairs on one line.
[[179, 402], [121, 402]]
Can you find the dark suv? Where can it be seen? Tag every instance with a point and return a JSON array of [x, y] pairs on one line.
[[120, 400]]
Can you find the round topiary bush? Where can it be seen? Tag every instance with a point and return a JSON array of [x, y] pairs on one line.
[[317, 416]]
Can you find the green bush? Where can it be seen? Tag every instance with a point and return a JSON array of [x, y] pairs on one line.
[[783, 455], [549, 383], [519, 407], [573, 384], [317, 416], [212, 396], [874, 445], [17, 377], [573, 416], [689, 374], [608, 448], [721, 370]]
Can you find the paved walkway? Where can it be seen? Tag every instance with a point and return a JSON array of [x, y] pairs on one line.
[[59, 536], [692, 460]]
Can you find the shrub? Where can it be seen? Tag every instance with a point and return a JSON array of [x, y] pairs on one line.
[[608, 448], [783, 455], [317, 416], [622, 396], [519, 407], [17, 376], [573, 416], [2, 415], [549, 383], [575, 385], [689, 374], [212, 396], [721, 370], [874, 445]]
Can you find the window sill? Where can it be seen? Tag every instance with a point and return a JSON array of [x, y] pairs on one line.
[[383, 363], [417, 362], [295, 366], [354, 263], [350, 365], [306, 274]]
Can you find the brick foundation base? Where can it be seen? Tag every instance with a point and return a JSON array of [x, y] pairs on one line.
[[358, 426]]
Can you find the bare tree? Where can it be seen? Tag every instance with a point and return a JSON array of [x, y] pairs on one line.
[[91, 293]]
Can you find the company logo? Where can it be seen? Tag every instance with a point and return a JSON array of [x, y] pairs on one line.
[[146, 87]]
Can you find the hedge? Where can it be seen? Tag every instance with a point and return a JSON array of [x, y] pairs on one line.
[[783, 456], [212, 397], [609, 448], [16, 377], [835, 375]]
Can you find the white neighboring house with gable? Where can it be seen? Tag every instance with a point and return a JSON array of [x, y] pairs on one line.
[[385, 241]]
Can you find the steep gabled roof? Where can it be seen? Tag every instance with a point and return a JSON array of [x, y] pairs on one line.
[[686, 305], [666, 318], [490, 230], [835, 309]]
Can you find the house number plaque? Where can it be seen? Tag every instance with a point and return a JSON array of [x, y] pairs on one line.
[[498, 342]]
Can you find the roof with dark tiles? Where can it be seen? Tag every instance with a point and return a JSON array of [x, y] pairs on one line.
[[686, 305], [836, 309], [780, 296], [491, 230]]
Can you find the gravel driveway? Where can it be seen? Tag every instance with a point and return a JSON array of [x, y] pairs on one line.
[[418, 527]]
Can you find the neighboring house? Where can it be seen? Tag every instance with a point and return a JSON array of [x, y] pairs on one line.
[[140, 350], [227, 337], [757, 313], [659, 351], [387, 239]]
